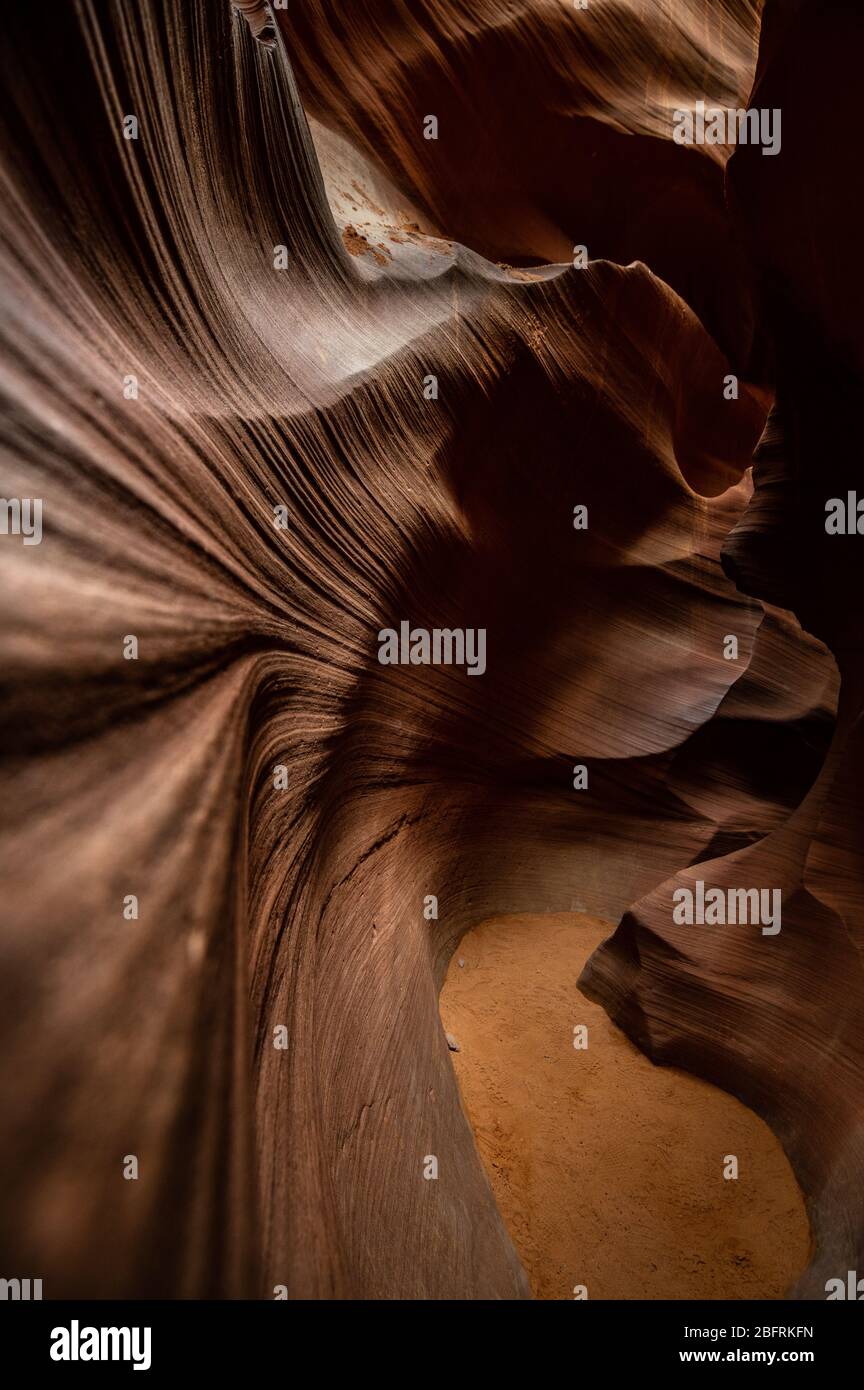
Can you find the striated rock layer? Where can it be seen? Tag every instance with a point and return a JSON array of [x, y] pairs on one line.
[[780, 1024], [199, 343]]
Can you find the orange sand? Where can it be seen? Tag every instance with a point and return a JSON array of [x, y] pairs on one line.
[[608, 1170]]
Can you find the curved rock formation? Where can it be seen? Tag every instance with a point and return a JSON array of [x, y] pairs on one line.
[[780, 1025], [229, 815]]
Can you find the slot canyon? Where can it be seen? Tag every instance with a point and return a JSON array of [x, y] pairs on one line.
[[433, 866]]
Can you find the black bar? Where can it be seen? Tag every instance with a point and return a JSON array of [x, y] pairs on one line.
[[247, 1338]]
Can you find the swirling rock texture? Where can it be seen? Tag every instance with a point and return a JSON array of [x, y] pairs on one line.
[[216, 338]]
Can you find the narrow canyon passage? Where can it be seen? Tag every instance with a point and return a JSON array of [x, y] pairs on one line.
[[608, 1170], [430, 496]]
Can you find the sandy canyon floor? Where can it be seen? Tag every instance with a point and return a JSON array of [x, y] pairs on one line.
[[607, 1169]]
